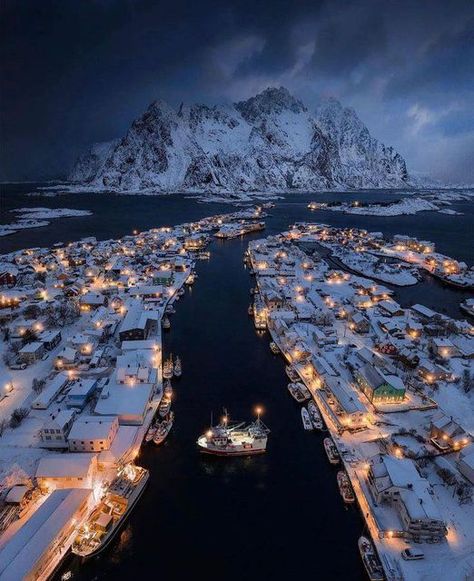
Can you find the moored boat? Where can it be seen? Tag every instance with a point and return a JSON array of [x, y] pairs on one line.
[[105, 521], [165, 323], [331, 451], [307, 424], [163, 429], [165, 406], [150, 433], [191, 279], [292, 373], [177, 370], [274, 348], [315, 416], [345, 487], [168, 368], [295, 392], [370, 559], [299, 392]]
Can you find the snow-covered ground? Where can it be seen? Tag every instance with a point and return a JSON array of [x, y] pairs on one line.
[[38, 217]]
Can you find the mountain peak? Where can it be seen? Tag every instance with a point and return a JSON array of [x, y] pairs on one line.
[[271, 100], [269, 142]]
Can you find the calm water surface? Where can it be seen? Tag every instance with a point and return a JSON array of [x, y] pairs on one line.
[[271, 517]]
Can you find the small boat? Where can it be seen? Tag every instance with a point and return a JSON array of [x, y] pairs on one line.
[[168, 368], [191, 279], [274, 348], [165, 323], [291, 372], [307, 424], [297, 392], [150, 433], [177, 370], [345, 487], [163, 429], [315, 416], [164, 407], [250, 310], [170, 310], [181, 292], [167, 388], [331, 451], [370, 559]]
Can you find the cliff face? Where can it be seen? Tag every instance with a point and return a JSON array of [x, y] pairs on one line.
[[271, 142]]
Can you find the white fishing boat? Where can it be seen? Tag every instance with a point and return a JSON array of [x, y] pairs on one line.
[[307, 424], [274, 348], [105, 521], [331, 451], [235, 439], [295, 392], [177, 370], [292, 373], [163, 429], [191, 279], [315, 416], [150, 433], [167, 388], [345, 487], [168, 368], [165, 406], [165, 323], [370, 559]]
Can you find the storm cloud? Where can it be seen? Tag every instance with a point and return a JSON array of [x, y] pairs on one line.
[[77, 72]]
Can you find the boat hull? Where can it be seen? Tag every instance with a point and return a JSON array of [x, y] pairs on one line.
[[212, 452], [109, 538]]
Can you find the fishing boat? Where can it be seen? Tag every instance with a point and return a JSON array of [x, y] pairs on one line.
[[191, 279], [165, 323], [163, 429], [292, 373], [181, 292], [150, 433], [299, 392], [371, 561], [274, 348], [168, 368], [170, 310], [235, 439], [331, 451], [105, 521], [307, 424], [165, 406], [250, 310], [345, 487], [167, 388], [315, 416], [295, 392], [177, 370]]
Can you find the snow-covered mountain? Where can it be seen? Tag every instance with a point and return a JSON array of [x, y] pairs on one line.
[[271, 142]]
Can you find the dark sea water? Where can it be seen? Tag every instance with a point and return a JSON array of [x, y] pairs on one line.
[[278, 516]]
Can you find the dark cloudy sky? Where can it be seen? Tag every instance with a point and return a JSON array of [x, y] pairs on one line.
[[78, 71]]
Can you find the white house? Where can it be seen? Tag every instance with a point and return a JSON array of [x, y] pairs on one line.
[[92, 433]]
